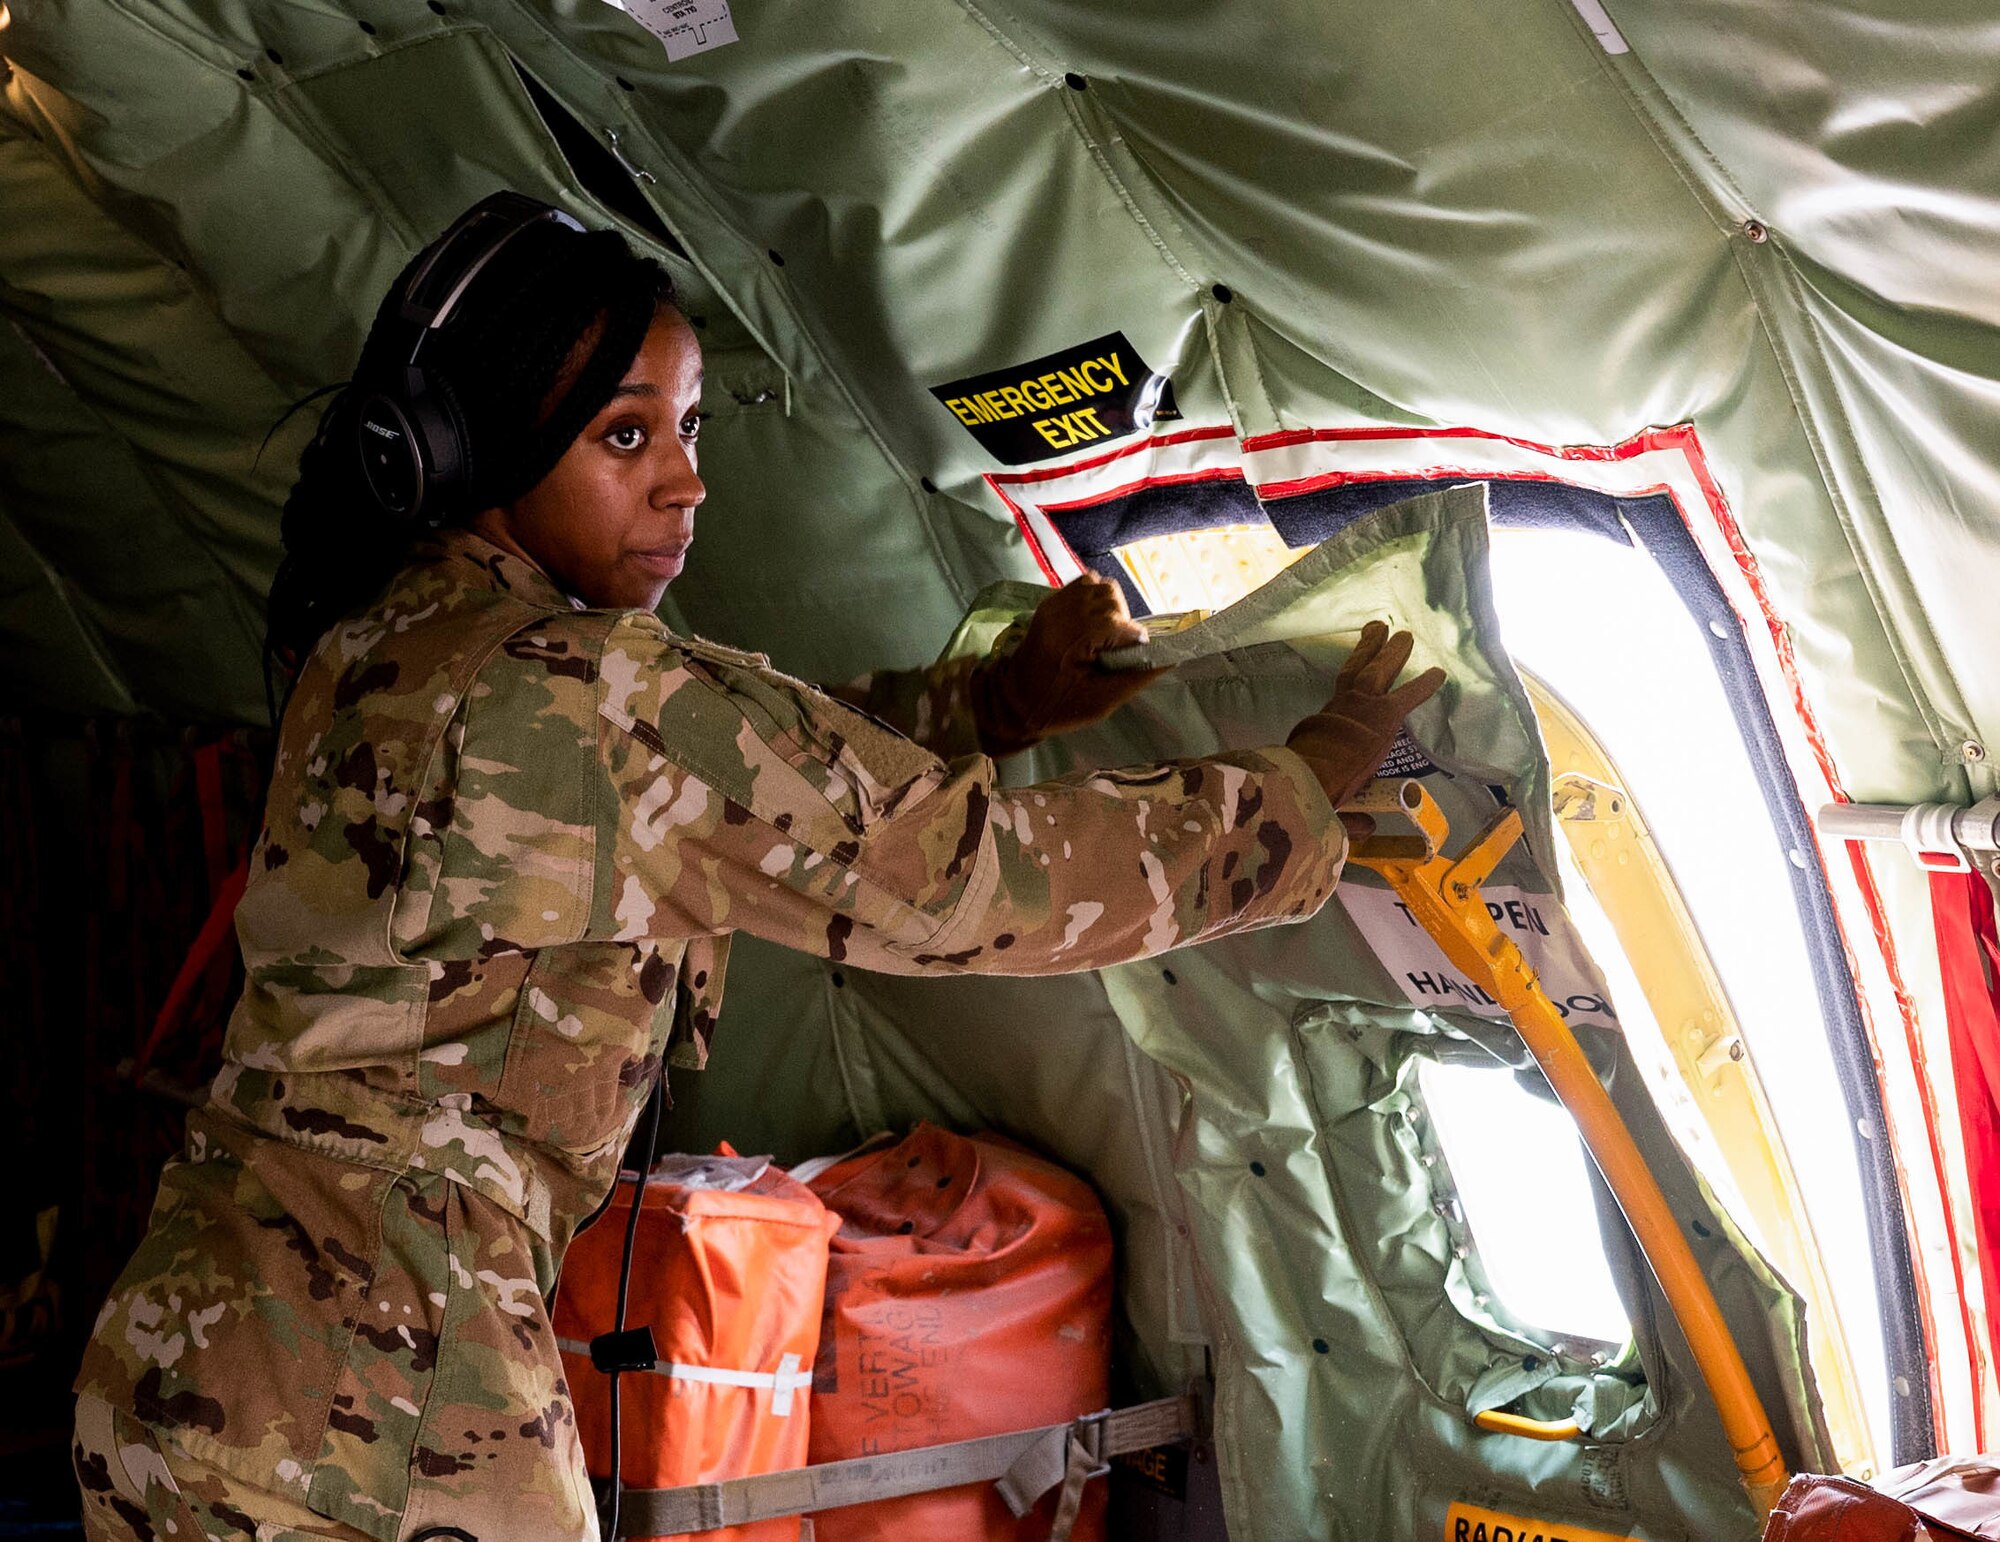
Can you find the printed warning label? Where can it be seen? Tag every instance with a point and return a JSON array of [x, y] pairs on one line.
[[1538, 925], [1405, 759], [1469, 1523], [1090, 394], [687, 27]]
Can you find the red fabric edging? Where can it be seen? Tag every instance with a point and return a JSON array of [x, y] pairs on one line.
[[1969, 957]]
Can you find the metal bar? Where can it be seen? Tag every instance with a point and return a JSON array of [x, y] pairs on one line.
[[1499, 1423], [1444, 898], [1941, 836]]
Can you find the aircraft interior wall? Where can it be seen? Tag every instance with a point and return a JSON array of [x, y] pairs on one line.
[[1705, 281]]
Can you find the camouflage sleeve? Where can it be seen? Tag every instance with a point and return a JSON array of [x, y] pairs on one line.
[[932, 705], [745, 801]]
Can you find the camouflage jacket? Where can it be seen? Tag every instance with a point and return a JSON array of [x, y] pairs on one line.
[[505, 837]]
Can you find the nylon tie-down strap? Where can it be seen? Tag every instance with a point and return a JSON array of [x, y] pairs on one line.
[[1023, 1465]]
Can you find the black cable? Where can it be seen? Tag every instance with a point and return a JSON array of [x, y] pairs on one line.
[[304, 401], [609, 1520]]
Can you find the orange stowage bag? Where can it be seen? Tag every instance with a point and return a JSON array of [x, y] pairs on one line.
[[969, 1293], [729, 1271]]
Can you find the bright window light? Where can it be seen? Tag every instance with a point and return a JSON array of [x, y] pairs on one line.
[[1518, 1170], [1206, 569], [1602, 625], [1671, 1095]]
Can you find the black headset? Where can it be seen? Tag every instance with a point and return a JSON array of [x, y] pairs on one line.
[[408, 428]]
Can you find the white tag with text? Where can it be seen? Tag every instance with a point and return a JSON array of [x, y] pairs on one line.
[[687, 27], [1536, 922]]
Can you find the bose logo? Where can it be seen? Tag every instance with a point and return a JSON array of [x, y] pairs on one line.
[[377, 428]]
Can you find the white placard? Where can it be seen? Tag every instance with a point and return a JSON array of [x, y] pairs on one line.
[[687, 27], [1537, 924]]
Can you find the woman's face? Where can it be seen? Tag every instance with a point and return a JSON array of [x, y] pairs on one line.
[[611, 524]]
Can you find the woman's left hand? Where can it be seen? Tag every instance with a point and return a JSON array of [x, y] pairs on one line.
[[1053, 683]]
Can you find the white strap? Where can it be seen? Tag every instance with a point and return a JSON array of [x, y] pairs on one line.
[[783, 1382], [812, 1167], [786, 1380]]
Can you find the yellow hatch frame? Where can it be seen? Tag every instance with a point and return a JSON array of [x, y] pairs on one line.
[[1629, 878]]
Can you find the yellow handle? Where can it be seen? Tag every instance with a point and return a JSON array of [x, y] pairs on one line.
[[1653, 1222], [1443, 897], [1534, 1429]]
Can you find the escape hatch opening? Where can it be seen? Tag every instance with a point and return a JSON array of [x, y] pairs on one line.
[[1605, 599]]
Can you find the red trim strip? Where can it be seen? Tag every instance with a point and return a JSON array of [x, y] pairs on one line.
[[1028, 536], [1136, 446], [1637, 445], [1684, 439], [1969, 958]]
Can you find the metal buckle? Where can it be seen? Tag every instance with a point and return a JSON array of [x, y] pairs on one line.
[[1088, 1432]]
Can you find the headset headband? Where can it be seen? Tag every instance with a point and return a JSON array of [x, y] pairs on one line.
[[480, 232]]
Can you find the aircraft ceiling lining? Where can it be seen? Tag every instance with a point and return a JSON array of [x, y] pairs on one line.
[[1880, 187], [1414, 222], [1861, 139]]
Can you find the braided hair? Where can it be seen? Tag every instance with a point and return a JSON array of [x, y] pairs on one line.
[[530, 355]]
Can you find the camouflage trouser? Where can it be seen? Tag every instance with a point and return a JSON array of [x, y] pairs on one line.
[[137, 1490]]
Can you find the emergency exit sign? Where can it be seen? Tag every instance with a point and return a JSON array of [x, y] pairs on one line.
[[1090, 394]]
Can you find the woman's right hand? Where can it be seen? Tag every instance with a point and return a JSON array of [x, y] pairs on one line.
[[1350, 736]]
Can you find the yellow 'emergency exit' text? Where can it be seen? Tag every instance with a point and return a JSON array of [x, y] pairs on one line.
[[1044, 398]]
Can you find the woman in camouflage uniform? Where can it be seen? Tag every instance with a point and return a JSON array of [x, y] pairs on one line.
[[512, 822]]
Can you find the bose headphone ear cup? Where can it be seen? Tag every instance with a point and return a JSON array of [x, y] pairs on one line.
[[439, 420], [385, 445]]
